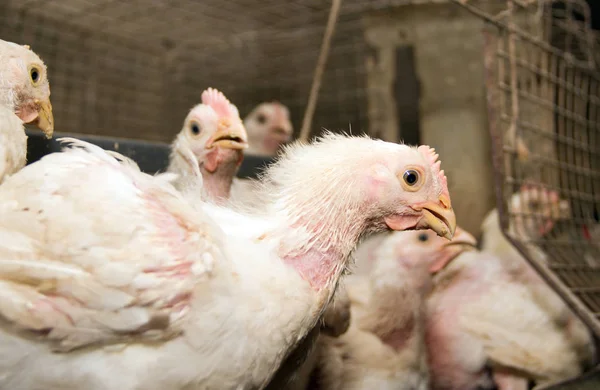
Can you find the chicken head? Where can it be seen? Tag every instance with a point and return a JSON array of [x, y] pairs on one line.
[[536, 210], [410, 253], [268, 127], [24, 86], [422, 193], [211, 143]]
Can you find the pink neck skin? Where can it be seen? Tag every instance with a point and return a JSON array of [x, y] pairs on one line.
[[320, 258], [317, 268], [218, 170]]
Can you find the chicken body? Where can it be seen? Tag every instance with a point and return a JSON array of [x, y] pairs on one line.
[[492, 308], [24, 98], [549, 208], [384, 347], [111, 279], [196, 154], [478, 315]]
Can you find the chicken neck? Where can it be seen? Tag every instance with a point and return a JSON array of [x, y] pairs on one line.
[[217, 184]]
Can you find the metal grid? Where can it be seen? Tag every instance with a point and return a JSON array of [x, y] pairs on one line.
[[138, 66], [543, 89]]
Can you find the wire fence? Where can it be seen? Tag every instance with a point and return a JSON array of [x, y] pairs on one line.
[[543, 87], [135, 68]]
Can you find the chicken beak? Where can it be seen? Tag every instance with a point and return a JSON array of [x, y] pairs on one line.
[[438, 216], [462, 237], [45, 119], [461, 242], [229, 136]]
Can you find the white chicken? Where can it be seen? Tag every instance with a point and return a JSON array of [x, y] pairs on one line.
[[536, 210], [111, 279], [24, 98], [210, 144], [493, 322], [269, 127], [384, 348]]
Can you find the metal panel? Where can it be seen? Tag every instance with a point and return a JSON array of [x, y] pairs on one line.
[[152, 157]]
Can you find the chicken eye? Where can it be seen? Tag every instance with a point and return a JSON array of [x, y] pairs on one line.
[[423, 237], [411, 177], [34, 73], [261, 119], [195, 128]]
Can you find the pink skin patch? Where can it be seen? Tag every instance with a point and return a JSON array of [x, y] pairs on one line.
[[27, 112], [217, 156], [315, 267]]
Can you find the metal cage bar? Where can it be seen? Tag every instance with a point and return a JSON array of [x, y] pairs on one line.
[[543, 89]]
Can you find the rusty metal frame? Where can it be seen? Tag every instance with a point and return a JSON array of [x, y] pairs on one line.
[[490, 49], [586, 66]]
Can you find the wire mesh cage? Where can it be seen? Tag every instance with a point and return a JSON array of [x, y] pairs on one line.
[[140, 65], [133, 70], [543, 94]]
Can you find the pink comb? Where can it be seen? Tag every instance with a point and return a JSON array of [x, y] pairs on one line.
[[432, 158], [218, 102]]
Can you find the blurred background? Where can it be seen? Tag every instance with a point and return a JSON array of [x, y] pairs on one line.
[[398, 70]]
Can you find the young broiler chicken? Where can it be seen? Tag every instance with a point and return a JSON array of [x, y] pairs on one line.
[[492, 324], [111, 279], [210, 144], [536, 210], [269, 127], [24, 98], [384, 347]]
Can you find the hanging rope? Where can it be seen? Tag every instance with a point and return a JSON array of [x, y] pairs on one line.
[[320, 68]]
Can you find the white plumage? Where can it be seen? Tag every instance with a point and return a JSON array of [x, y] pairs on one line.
[[24, 98], [156, 292]]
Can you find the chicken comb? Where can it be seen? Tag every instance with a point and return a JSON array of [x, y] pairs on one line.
[[432, 158], [218, 102]]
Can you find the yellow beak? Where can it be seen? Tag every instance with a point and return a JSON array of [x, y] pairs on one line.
[[45, 120], [461, 242], [229, 135], [439, 217]]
